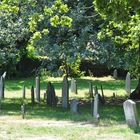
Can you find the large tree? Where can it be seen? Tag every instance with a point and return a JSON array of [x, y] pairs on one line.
[[122, 24], [23, 21]]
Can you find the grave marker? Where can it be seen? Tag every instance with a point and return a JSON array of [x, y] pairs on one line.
[[128, 83], [23, 111], [74, 106], [24, 92], [65, 93], [38, 89], [115, 74], [130, 112], [96, 106], [32, 95], [73, 86]]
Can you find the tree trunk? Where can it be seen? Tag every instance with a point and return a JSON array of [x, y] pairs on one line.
[[136, 93]]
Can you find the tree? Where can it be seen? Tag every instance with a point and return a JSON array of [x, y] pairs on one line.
[[70, 45], [23, 22], [122, 24]]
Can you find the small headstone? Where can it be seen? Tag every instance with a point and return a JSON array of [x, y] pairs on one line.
[[90, 89], [96, 106], [32, 95], [23, 111], [24, 92], [65, 93], [74, 106], [73, 86], [130, 112], [38, 89], [128, 83], [115, 74]]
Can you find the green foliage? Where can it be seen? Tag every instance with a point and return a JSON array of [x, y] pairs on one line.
[[122, 19]]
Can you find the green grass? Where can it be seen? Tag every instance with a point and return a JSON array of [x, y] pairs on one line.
[[112, 122]]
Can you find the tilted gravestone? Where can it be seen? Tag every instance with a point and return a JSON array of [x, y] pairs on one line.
[[128, 83], [65, 93], [74, 106], [24, 92], [90, 89], [51, 97], [38, 89], [73, 86], [130, 112], [32, 95], [115, 74]]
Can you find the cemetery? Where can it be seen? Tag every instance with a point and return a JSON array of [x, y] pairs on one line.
[[69, 70]]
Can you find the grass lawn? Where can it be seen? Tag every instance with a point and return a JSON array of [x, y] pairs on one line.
[[44, 122]]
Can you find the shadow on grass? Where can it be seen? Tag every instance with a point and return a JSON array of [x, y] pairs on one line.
[[109, 114]]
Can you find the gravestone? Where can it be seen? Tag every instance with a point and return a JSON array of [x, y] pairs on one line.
[[115, 74], [74, 106], [38, 89], [96, 106], [130, 112], [73, 86], [32, 95], [24, 92], [3, 83], [90, 89], [23, 111], [128, 83], [1, 88], [65, 93], [51, 97]]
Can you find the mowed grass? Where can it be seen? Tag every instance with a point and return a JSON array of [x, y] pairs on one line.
[[112, 121]]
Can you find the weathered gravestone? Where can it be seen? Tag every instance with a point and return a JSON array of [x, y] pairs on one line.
[[32, 95], [23, 111], [1, 88], [65, 93], [2, 85], [96, 106], [115, 74], [73, 86], [90, 89], [24, 92], [51, 97], [128, 83], [74, 106], [38, 89], [130, 112]]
